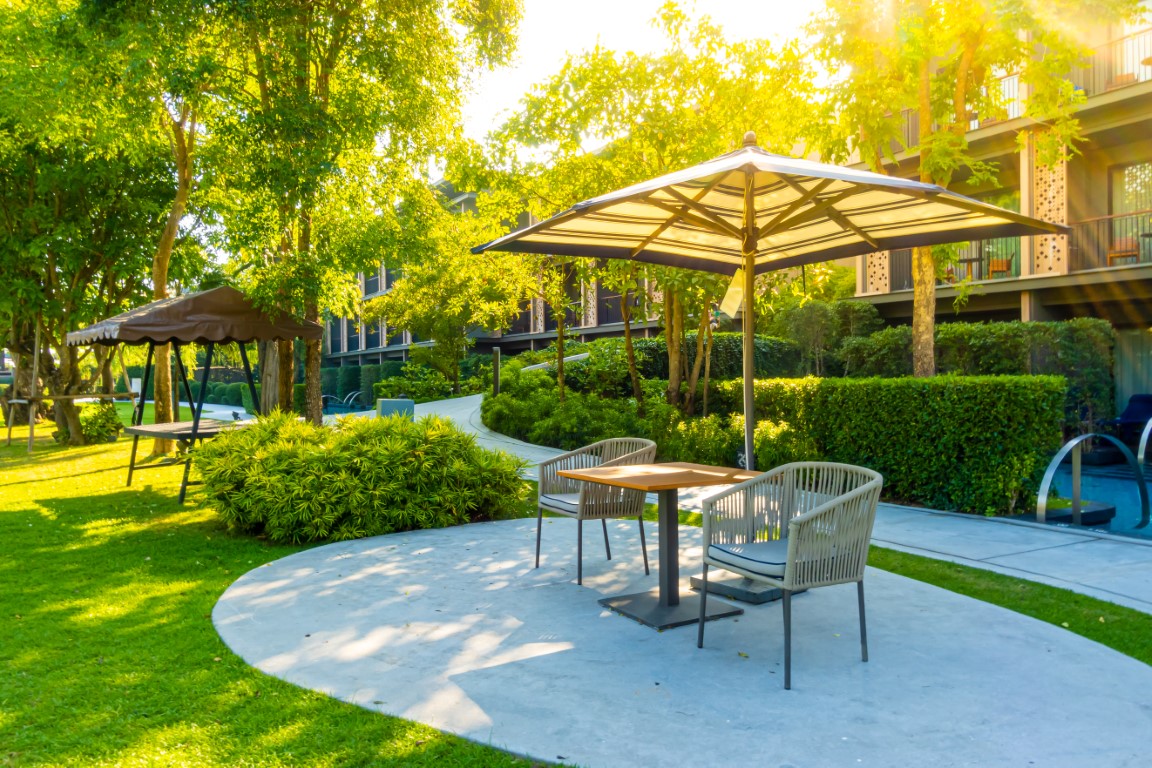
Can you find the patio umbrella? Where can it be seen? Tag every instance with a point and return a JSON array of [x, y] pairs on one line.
[[757, 211]]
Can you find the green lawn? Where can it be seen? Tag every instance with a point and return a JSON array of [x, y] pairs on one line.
[[109, 656]]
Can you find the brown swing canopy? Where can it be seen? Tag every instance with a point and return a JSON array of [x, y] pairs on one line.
[[219, 315]]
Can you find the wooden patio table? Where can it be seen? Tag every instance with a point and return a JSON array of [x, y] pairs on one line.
[[663, 608]]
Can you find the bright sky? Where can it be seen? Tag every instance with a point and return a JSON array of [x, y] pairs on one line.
[[551, 29]]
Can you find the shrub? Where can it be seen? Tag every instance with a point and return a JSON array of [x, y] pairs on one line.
[[390, 368], [974, 444], [774, 357], [1080, 349], [369, 375], [233, 394], [328, 381], [418, 382], [347, 380], [99, 423], [246, 398], [300, 398], [296, 482]]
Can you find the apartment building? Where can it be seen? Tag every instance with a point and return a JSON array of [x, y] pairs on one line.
[[1104, 267]]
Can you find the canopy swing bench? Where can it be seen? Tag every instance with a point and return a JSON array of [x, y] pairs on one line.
[[221, 315]]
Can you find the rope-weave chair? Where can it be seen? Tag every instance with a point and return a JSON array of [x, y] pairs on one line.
[[593, 501], [797, 527]]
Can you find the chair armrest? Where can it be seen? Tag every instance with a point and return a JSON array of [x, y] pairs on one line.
[[829, 544], [753, 510], [581, 458]]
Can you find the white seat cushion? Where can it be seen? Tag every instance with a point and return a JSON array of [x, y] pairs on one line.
[[567, 503], [766, 558]]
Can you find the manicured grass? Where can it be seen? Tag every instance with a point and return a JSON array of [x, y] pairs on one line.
[[124, 411], [109, 656], [1123, 629]]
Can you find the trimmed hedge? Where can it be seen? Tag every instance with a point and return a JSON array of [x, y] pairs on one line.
[[369, 375], [1080, 349], [296, 482], [347, 380], [234, 393], [246, 398], [968, 443], [328, 381]]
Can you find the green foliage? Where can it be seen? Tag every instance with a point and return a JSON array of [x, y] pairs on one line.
[[328, 378], [973, 444], [369, 375], [99, 423], [246, 398], [347, 380], [390, 368], [1080, 349], [300, 399], [234, 394], [296, 482], [774, 356], [416, 382]]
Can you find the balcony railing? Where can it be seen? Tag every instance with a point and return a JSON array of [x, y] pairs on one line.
[[1116, 64], [1111, 241], [994, 259], [1113, 65]]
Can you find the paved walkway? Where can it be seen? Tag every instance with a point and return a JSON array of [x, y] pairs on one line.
[[456, 629], [1100, 564]]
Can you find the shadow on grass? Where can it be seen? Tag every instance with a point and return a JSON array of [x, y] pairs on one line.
[[110, 655]]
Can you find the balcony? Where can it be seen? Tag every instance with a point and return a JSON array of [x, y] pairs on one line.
[[995, 259], [1116, 64], [1111, 241]]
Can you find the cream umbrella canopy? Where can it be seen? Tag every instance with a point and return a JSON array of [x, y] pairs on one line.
[[759, 212]]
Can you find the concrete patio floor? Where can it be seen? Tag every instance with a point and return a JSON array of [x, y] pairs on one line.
[[454, 628]]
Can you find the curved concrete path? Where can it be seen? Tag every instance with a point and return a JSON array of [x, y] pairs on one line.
[[455, 629]]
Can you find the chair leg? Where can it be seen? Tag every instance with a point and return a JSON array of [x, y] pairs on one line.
[[579, 551], [643, 544], [787, 640], [607, 549], [863, 626], [539, 525], [703, 603]]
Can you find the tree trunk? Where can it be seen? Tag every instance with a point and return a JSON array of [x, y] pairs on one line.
[[923, 265], [63, 380], [182, 138], [698, 363], [286, 376], [707, 370], [673, 334], [268, 357], [630, 351]]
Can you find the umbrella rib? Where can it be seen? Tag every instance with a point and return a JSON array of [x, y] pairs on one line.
[[669, 222], [690, 218], [800, 202], [707, 214], [813, 212], [843, 221]]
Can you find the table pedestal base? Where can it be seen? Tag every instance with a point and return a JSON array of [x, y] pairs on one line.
[[645, 608], [739, 588]]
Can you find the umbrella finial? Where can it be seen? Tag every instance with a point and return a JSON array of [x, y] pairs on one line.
[[750, 139]]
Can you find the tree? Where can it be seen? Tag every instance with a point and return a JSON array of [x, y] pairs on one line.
[[643, 116], [80, 198], [173, 56], [943, 59], [445, 291], [344, 97]]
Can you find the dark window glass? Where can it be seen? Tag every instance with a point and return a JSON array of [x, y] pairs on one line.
[[336, 343], [353, 328], [372, 282], [372, 334]]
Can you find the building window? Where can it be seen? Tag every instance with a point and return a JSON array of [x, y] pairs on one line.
[[372, 282], [335, 338], [1131, 189], [352, 325], [372, 336]]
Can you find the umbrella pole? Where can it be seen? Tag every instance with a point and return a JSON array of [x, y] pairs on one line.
[[750, 238], [749, 359]]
